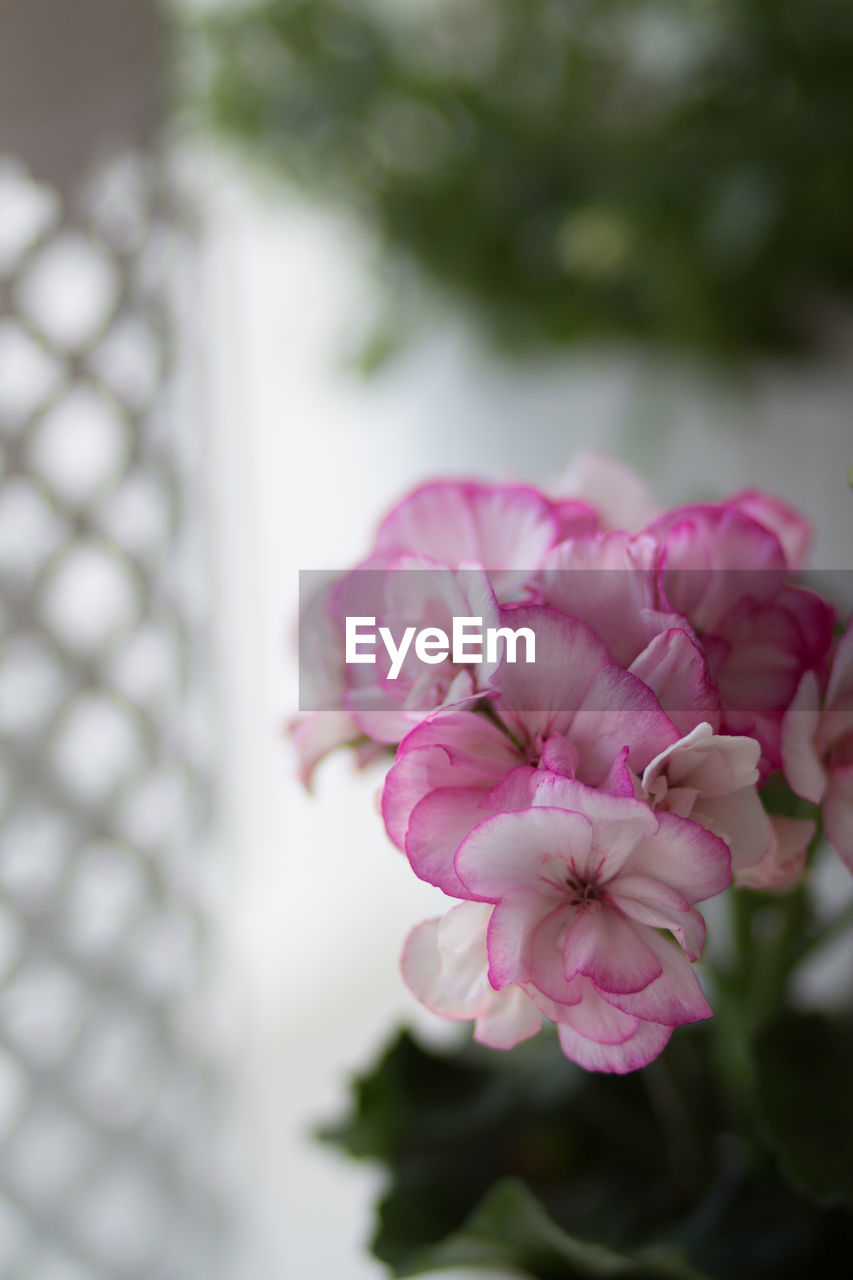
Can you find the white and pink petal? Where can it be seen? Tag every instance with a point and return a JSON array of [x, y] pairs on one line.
[[525, 849], [604, 946], [647, 1042], [437, 826], [674, 998], [684, 855], [801, 759]]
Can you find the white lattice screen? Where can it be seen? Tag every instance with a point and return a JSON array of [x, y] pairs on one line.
[[100, 1094]]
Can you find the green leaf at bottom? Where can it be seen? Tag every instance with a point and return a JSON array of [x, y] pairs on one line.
[[805, 1099], [511, 1229]]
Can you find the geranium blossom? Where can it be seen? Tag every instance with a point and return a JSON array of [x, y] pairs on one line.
[[610, 581], [784, 862], [617, 494], [415, 592], [508, 529], [720, 573], [446, 964], [727, 573], [711, 779], [581, 716], [496, 535], [572, 712], [576, 808], [817, 747], [582, 881]]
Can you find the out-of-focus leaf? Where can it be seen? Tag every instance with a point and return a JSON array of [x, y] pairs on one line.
[[408, 1086], [805, 1097], [511, 1229], [677, 171], [625, 1162], [612, 1158]]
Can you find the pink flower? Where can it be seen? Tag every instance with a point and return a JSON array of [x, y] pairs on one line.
[[817, 747], [445, 964], [508, 529], [451, 547], [719, 575], [793, 530], [582, 881], [609, 581], [317, 732], [784, 862], [710, 778], [414, 592], [572, 712], [727, 574], [579, 806], [719, 571], [621, 498]]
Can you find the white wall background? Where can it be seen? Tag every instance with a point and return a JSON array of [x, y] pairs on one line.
[[304, 458]]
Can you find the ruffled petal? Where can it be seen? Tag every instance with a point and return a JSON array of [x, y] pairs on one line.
[[511, 927], [653, 903], [546, 958], [444, 965], [604, 946], [674, 668], [507, 528], [647, 1042], [800, 757], [608, 581], [437, 826], [742, 821], [525, 849], [315, 734], [456, 748], [714, 764], [621, 497], [596, 1020], [675, 997], [444, 962], [784, 862], [510, 1017], [620, 823], [619, 711], [540, 698], [685, 856], [794, 531]]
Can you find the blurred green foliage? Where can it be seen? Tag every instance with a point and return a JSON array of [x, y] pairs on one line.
[[730, 1157], [678, 171], [523, 1160], [511, 1229]]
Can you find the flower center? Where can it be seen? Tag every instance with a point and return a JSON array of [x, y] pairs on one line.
[[580, 888], [581, 891]]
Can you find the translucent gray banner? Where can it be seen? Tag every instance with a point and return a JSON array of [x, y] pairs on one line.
[[416, 638]]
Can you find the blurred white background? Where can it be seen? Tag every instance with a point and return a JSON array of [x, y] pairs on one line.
[[300, 458], [305, 456]]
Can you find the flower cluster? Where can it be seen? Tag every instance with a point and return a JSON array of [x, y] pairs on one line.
[[578, 808]]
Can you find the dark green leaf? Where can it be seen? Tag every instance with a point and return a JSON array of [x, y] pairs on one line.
[[805, 1097], [614, 1159], [672, 170], [511, 1229]]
